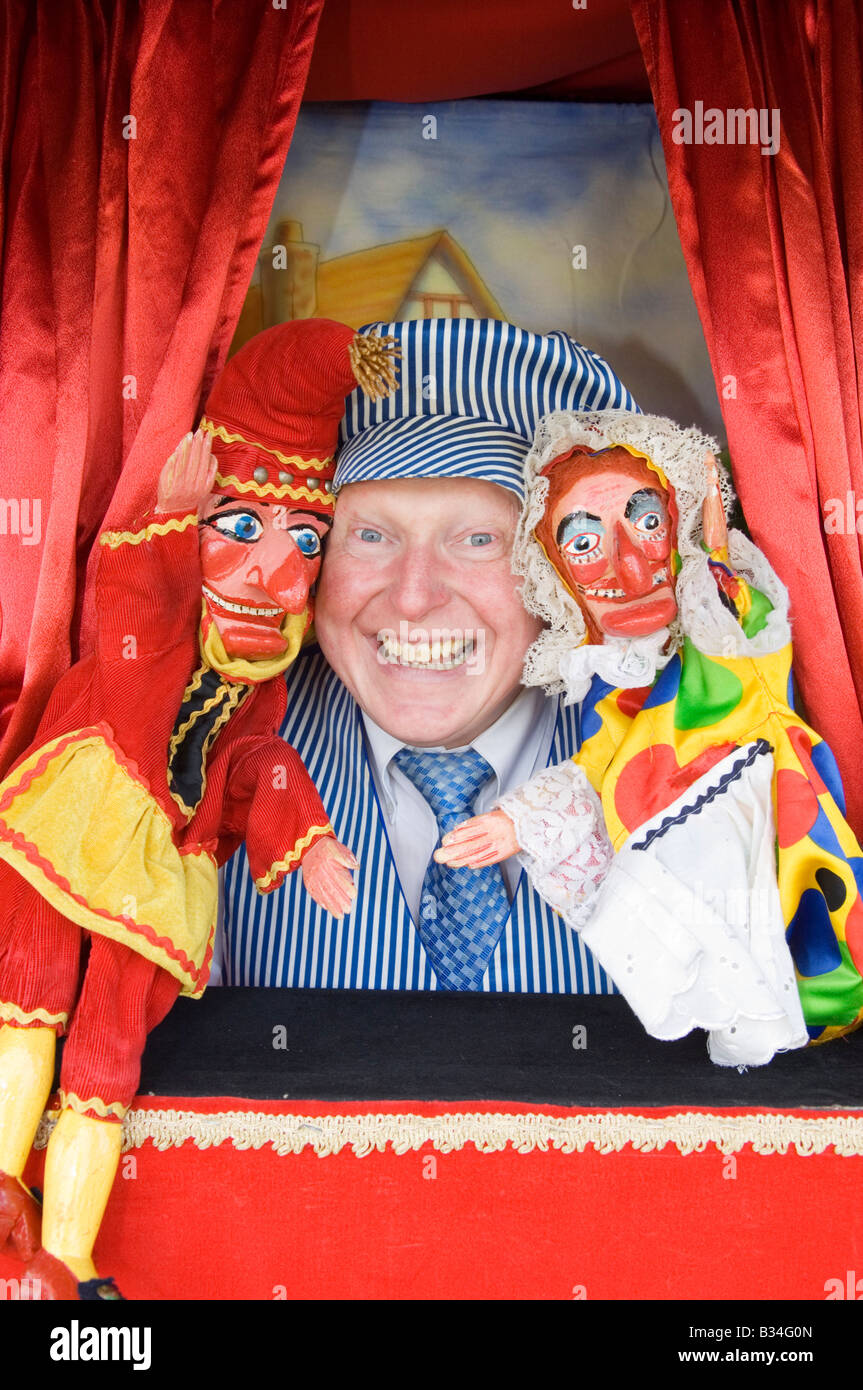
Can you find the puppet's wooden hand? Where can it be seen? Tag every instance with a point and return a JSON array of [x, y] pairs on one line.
[[713, 526], [327, 875], [483, 840], [186, 480]]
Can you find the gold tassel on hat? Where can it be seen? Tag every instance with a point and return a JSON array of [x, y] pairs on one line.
[[373, 362]]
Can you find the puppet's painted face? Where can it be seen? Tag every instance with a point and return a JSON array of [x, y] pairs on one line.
[[609, 534], [258, 561]]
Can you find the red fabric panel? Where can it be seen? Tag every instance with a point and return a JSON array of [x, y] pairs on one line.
[[123, 998], [618, 79], [385, 50], [121, 258], [222, 1223], [774, 249], [40, 958]]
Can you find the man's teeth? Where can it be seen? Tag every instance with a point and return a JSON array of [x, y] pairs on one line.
[[238, 607], [440, 654]]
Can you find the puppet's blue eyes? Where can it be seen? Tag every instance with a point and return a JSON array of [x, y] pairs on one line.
[[645, 511], [243, 526], [582, 545], [651, 521], [580, 536], [307, 540]]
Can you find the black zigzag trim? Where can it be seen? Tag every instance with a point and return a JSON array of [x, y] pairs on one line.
[[758, 749]]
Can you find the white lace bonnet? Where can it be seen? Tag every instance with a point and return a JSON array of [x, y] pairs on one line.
[[678, 452]]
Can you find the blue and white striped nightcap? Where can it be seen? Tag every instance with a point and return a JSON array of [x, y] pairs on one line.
[[471, 393]]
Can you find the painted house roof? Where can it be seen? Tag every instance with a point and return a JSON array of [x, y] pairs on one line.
[[369, 285]]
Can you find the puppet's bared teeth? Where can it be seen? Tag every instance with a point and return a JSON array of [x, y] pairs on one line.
[[661, 577], [231, 607], [605, 593]]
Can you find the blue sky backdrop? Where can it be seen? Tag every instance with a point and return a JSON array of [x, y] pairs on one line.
[[518, 185]]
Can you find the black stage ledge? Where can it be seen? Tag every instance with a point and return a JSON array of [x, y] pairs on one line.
[[347, 1045]]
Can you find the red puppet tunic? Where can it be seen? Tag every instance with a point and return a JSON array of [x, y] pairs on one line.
[[155, 758]]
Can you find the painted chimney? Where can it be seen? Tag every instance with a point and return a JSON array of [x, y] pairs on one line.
[[289, 270]]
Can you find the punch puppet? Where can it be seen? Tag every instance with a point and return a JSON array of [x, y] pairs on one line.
[[697, 840], [156, 756]]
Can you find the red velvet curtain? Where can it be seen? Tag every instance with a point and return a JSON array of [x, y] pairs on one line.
[[402, 50], [141, 144], [774, 248]]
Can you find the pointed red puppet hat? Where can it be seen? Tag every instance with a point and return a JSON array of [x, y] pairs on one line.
[[275, 409]]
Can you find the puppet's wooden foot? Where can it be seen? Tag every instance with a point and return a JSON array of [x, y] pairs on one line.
[[49, 1280], [80, 1165], [26, 1078], [20, 1219]]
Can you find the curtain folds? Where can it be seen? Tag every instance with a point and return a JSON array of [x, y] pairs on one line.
[[142, 142], [774, 248]]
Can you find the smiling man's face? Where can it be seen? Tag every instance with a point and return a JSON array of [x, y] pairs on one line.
[[418, 611]]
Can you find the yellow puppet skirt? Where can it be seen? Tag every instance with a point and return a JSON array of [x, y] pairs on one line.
[[79, 823]]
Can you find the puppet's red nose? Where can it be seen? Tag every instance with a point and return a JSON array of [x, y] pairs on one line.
[[631, 566], [287, 582]]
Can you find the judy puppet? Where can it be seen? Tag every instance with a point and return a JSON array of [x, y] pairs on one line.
[[697, 840]]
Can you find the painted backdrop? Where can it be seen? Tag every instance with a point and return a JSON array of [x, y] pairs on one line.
[[550, 214]]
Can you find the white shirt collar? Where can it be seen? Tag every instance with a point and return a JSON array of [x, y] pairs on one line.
[[510, 745]]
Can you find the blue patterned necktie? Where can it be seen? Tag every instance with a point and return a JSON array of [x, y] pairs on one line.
[[462, 911]]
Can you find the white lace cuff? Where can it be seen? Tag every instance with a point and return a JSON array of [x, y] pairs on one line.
[[560, 828]]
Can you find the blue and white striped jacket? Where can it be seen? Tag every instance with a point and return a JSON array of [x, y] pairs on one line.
[[285, 939]]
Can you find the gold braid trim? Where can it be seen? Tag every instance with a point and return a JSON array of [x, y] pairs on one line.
[[194, 684], [321, 498], [69, 1101], [289, 460], [11, 1013], [606, 1132], [262, 884], [157, 528], [373, 360], [235, 695], [177, 738]]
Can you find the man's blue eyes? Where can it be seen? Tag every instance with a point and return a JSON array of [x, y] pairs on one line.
[[479, 538]]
